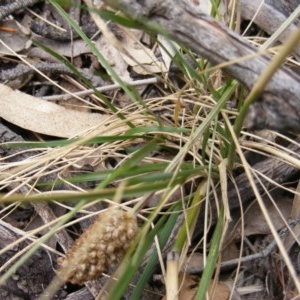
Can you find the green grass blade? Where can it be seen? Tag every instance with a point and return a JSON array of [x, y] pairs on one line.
[[130, 264], [129, 90], [211, 259], [163, 237], [191, 217], [129, 163]]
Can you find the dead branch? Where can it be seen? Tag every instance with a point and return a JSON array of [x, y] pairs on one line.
[[279, 105], [270, 15], [8, 9]]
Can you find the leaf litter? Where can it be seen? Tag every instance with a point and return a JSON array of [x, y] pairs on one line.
[[28, 116]]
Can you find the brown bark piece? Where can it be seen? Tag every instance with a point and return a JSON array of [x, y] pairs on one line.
[[269, 16], [8, 9], [272, 168], [279, 105]]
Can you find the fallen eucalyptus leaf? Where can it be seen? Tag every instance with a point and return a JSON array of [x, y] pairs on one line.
[[40, 116]]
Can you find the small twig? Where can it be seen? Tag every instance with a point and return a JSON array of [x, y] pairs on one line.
[[101, 89], [67, 35], [262, 254], [13, 233], [48, 30], [57, 68], [10, 8]]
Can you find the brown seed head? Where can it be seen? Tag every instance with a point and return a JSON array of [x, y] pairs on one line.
[[103, 243]]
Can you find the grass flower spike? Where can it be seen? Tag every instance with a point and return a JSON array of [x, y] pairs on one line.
[[103, 244]]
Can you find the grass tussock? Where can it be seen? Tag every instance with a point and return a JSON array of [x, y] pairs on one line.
[[155, 178]]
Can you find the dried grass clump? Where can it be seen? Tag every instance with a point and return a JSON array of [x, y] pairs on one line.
[[104, 243]]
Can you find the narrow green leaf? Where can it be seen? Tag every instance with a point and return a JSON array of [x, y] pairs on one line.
[[163, 237], [212, 258]]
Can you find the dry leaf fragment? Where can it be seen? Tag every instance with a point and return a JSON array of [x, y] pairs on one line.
[[189, 285], [40, 116], [104, 243], [142, 59], [11, 36]]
